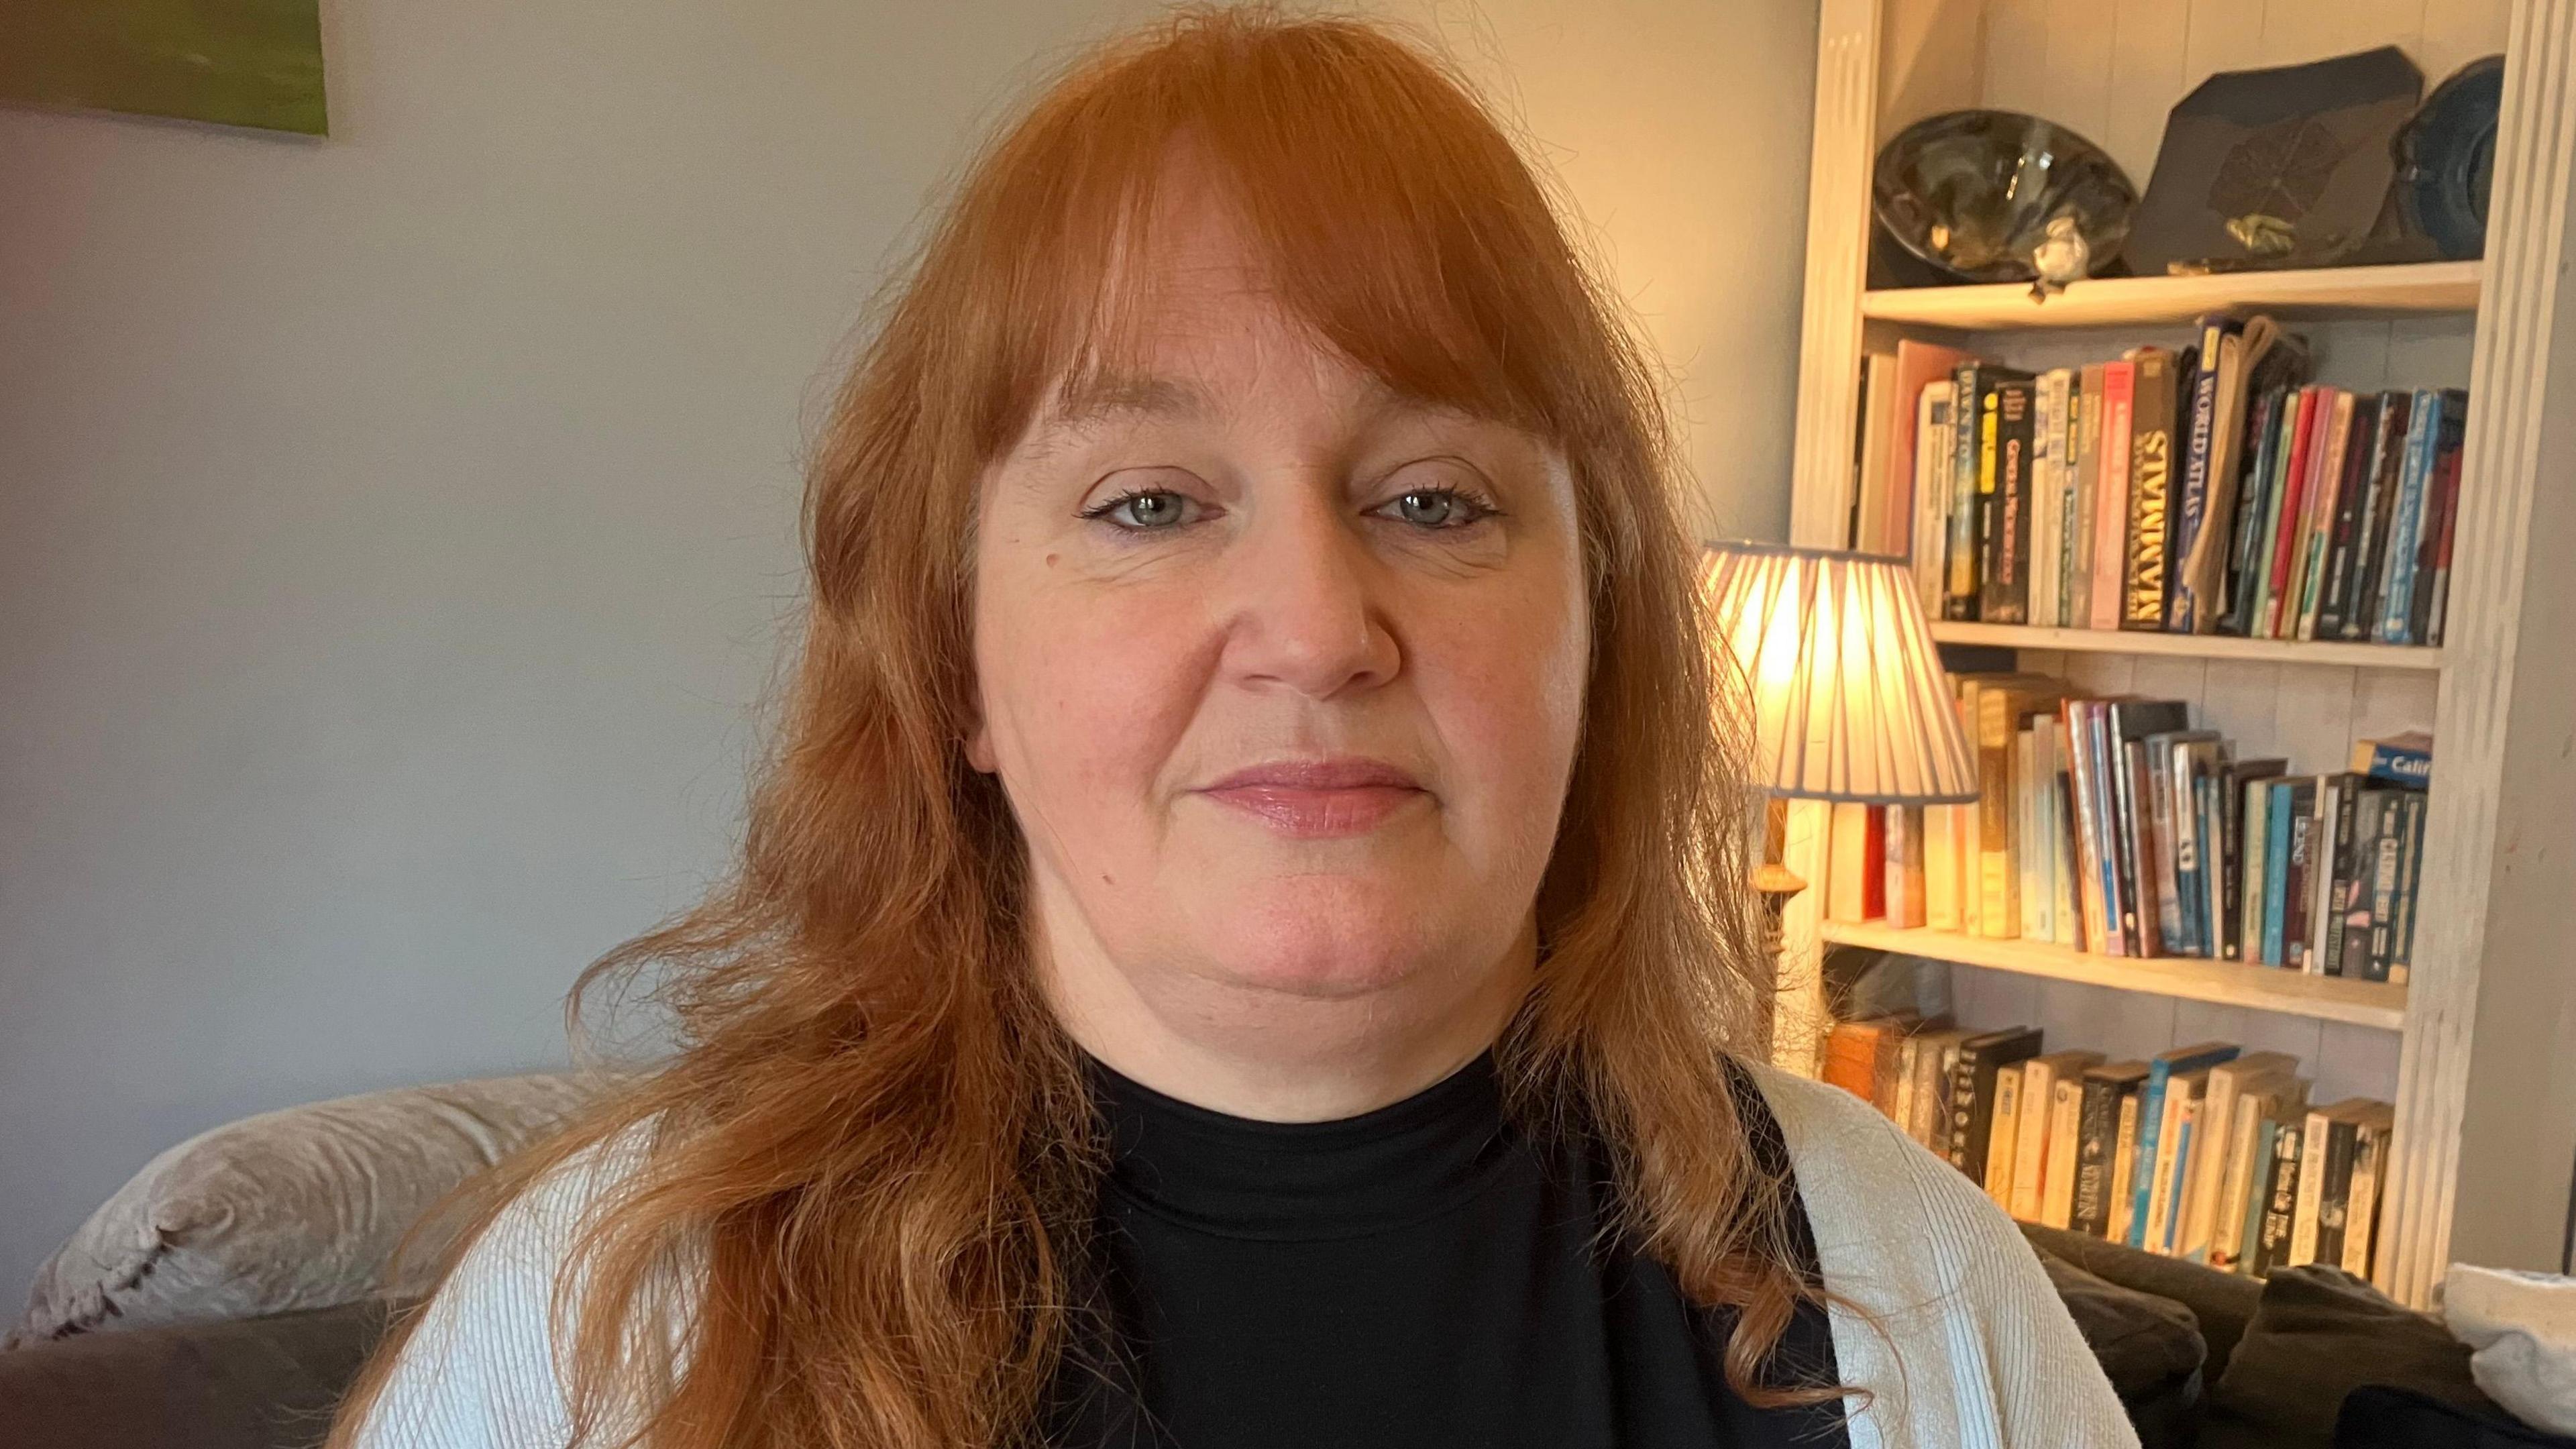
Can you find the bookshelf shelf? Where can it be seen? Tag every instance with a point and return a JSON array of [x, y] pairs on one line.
[[2188, 646], [2318, 293], [2224, 983]]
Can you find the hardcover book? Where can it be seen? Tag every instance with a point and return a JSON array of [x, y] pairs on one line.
[[1972, 1092], [2099, 1142], [2151, 470]]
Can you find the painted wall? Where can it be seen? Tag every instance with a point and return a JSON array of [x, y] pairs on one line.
[[394, 530]]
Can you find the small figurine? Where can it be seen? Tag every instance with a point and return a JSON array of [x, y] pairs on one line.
[[2060, 258]]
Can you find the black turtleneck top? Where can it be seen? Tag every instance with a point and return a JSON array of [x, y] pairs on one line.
[[1424, 1275]]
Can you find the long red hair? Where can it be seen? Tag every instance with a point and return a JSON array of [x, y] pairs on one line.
[[874, 1145]]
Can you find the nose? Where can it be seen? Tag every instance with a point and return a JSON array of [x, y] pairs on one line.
[[1306, 612]]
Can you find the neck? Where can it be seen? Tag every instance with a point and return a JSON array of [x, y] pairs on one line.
[[1275, 1055]]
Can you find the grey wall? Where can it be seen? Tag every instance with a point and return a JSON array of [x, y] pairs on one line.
[[394, 529]]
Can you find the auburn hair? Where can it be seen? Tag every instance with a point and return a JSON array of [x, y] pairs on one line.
[[873, 1145]]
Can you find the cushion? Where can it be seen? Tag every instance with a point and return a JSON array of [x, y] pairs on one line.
[[2220, 1303], [266, 1383], [2521, 1328], [288, 1210], [2384, 1418], [2318, 1334], [2149, 1349]]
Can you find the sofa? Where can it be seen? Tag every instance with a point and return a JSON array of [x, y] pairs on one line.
[[153, 1330]]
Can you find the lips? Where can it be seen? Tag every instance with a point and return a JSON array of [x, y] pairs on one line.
[[1316, 799]]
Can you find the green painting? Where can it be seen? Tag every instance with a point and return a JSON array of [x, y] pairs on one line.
[[235, 62]]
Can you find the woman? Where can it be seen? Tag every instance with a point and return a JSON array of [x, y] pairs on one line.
[[1240, 940]]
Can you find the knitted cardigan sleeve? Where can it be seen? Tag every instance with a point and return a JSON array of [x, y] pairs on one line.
[[1945, 1320]]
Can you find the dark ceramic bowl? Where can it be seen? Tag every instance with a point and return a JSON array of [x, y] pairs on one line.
[[1972, 192], [2446, 159]]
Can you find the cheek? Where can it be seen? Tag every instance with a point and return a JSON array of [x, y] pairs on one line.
[[1085, 690], [1504, 687]]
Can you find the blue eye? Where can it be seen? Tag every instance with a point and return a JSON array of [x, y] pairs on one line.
[[1143, 510], [1435, 508]]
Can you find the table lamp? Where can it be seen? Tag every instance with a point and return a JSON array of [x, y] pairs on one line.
[[1849, 704]]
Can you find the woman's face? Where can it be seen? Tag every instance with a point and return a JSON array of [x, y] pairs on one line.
[[1283, 674]]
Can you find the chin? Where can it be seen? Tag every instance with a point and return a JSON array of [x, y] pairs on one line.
[[1329, 935]]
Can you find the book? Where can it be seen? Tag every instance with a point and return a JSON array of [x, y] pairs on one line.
[[1972, 1092], [2309, 1222], [2197, 445], [2180, 1107], [2129, 722], [2101, 1193], [2244, 576], [2274, 1237], [2151, 1105], [2372, 443], [2298, 915], [2392, 607], [1936, 1054], [2064, 1154], [2040, 1078], [2003, 595], [2235, 840], [2124, 1166], [2404, 759], [2151, 449], [2340, 869], [2083, 787], [2410, 860], [2324, 498], [2002, 707], [2289, 508], [2204, 1186], [2450, 439], [2085, 487], [2250, 360], [1914, 519], [1903, 872], [1856, 866], [2334, 1194], [2234, 1225], [1860, 1057], [2047, 438], [2375, 1127], [2386, 851], [2111, 492], [1959, 585], [2370, 530], [1933, 452], [2003, 1134]]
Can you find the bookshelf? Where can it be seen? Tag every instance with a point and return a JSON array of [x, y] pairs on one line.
[[2185, 646], [2468, 1053], [2330, 294], [2372, 1004]]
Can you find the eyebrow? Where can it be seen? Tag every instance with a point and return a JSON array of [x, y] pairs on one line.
[[1092, 397]]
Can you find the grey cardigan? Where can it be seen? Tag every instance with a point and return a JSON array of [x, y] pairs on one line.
[[1944, 1325]]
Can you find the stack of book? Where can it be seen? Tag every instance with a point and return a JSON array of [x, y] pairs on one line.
[[2114, 826], [2205, 1152], [2210, 490]]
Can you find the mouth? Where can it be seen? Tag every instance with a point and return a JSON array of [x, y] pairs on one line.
[[1318, 799]]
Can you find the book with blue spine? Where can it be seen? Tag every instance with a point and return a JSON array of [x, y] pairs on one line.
[[2397, 589], [2276, 868], [2405, 759], [2151, 1103]]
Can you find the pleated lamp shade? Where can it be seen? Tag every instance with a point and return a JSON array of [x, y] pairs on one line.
[[1849, 701]]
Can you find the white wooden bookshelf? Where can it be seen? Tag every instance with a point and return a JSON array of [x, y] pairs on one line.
[[2186, 646], [2468, 1050], [2374, 1004], [2327, 294]]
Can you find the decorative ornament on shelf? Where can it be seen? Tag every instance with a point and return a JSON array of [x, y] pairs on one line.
[[2061, 257], [1992, 196], [1847, 699]]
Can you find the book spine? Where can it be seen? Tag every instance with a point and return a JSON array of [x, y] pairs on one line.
[[2191, 504], [2124, 1165], [2409, 878], [2003, 1135], [2111, 492], [2334, 1197], [2150, 492], [2284, 532], [2249, 1230], [2030, 1141], [2280, 1199], [2146, 933], [1999, 897], [2312, 1182], [2254, 868], [2096, 1144], [2362, 1218], [2321, 506], [2185, 851], [2085, 487], [2151, 1108], [2396, 423], [2295, 913], [2103, 764], [1959, 594], [2341, 544], [2440, 490], [2276, 871], [2064, 600], [2242, 576], [2160, 815], [2047, 428], [2408, 519], [2447, 479], [2062, 1159], [2235, 1187], [2005, 597], [2345, 871]]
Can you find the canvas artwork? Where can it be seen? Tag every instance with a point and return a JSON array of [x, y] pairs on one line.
[[234, 62]]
